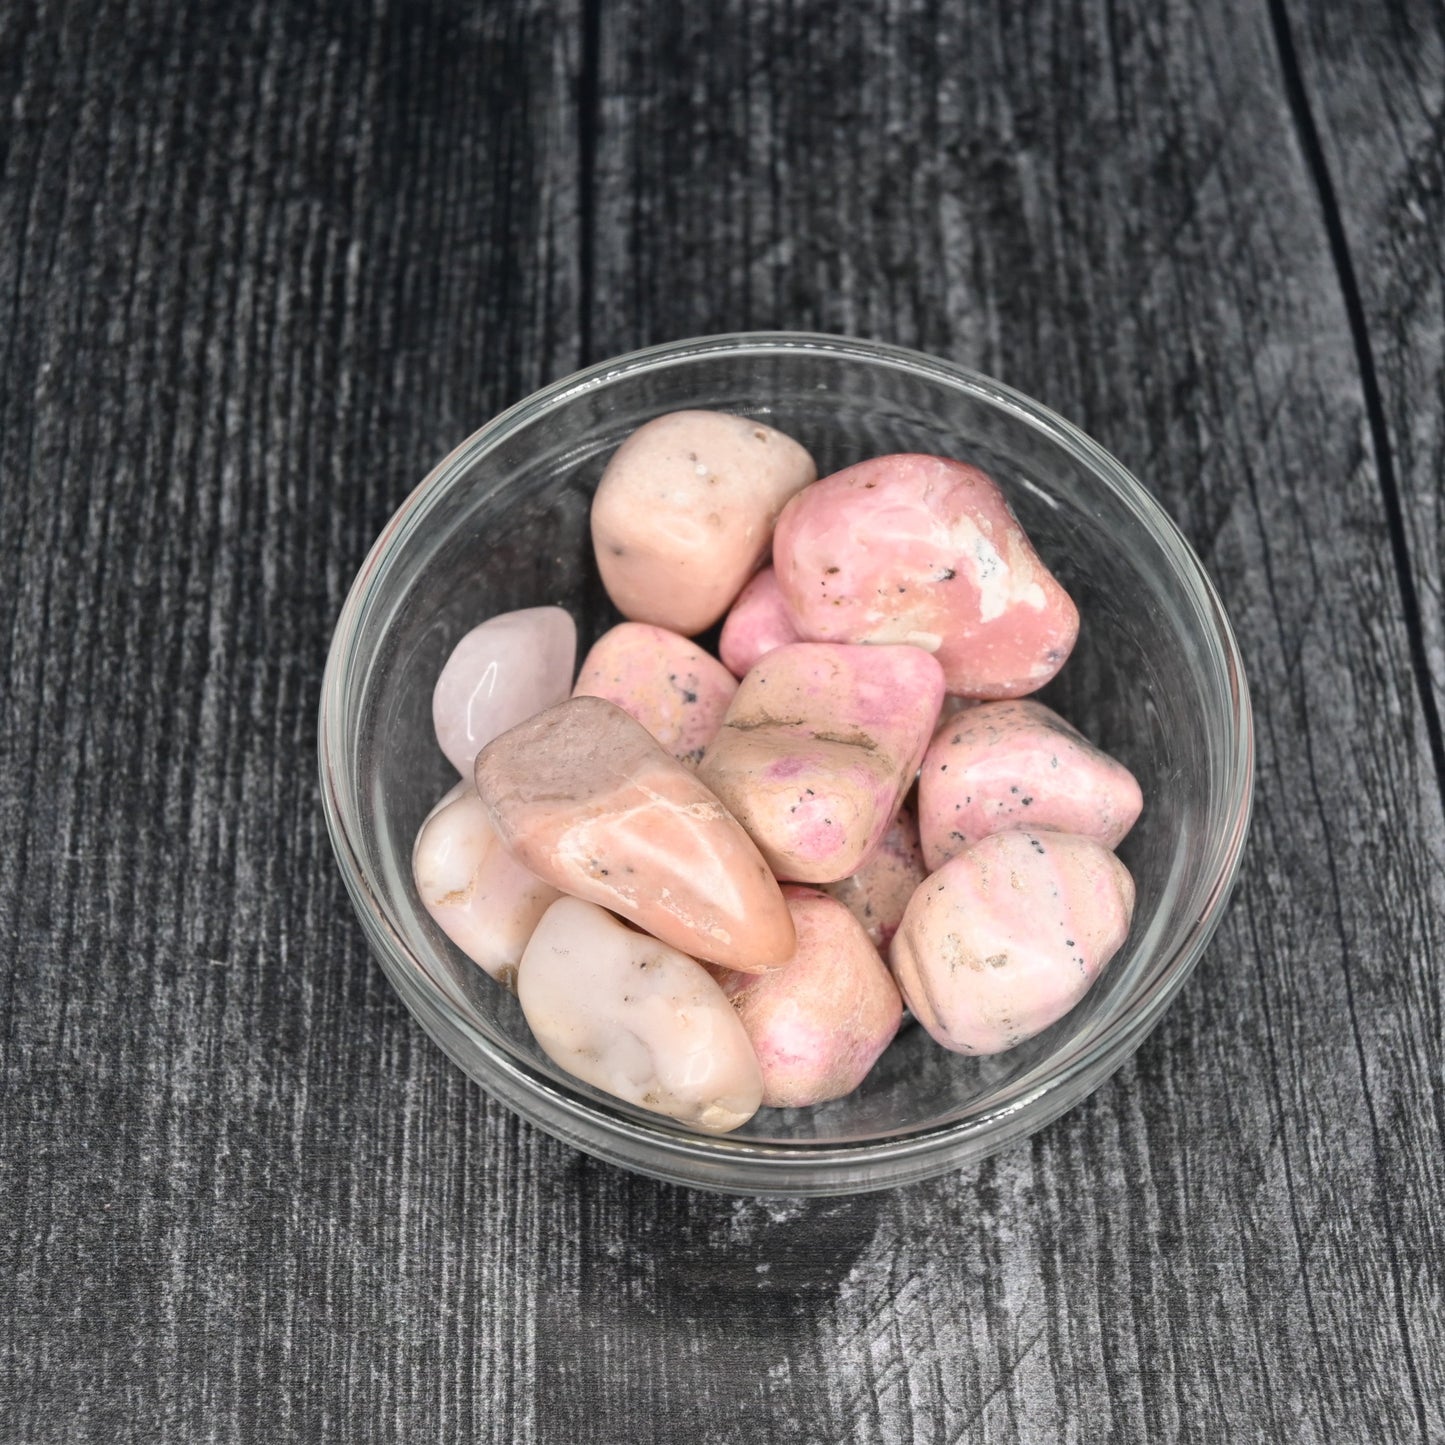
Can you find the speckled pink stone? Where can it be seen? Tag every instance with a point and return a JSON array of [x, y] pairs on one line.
[[758, 622], [818, 748], [684, 514], [1008, 937], [1019, 764], [924, 550], [819, 1023], [878, 892], [501, 673], [678, 692]]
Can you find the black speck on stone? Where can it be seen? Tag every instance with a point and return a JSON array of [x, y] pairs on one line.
[[1026, 801], [1013, 790], [943, 767]]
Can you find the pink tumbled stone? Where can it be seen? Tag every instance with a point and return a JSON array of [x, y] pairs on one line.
[[924, 550], [819, 1023], [501, 673], [480, 896], [1007, 937], [684, 513], [1019, 765], [636, 1019], [818, 748], [758, 622], [677, 691], [587, 800], [878, 892]]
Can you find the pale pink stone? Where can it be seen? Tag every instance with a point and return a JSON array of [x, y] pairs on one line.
[[1008, 937], [925, 550], [819, 1023], [636, 1019], [480, 896], [589, 802], [818, 748], [878, 892], [684, 513], [677, 691], [758, 622], [500, 674], [1019, 764]]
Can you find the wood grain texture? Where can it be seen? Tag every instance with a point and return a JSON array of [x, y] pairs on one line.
[[259, 266]]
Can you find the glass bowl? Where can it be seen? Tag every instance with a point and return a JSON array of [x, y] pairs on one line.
[[502, 523]]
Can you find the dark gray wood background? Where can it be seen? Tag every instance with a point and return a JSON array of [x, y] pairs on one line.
[[260, 265]]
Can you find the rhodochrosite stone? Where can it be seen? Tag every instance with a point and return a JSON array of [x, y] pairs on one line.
[[925, 550], [587, 800], [878, 892], [636, 1019], [819, 1023], [1008, 937], [684, 513], [677, 691], [818, 748], [758, 622], [482, 898], [1019, 765], [500, 674]]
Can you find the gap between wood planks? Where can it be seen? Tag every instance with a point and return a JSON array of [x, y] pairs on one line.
[[1314, 157], [1309, 140]]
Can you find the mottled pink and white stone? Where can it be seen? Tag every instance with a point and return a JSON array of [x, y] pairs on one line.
[[1007, 937], [684, 513], [1019, 765], [818, 748], [501, 673], [757, 622], [636, 1019], [819, 1023], [878, 892], [480, 896], [587, 800], [677, 691], [924, 550]]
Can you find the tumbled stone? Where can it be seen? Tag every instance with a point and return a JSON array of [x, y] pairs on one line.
[[479, 895], [878, 892], [587, 800], [756, 623], [677, 691], [1006, 938], [818, 748], [1019, 765], [924, 550], [684, 513], [501, 673], [819, 1023], [637, 1019]]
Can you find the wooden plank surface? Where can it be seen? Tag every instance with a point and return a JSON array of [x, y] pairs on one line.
[[259, 266]]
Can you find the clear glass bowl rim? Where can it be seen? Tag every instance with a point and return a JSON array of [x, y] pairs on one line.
[[721, 1162]]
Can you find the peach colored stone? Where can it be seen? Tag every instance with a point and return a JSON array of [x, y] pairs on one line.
[[1007, 938], [500, 674], [819, 1023], [1019, 765], [677, 691], [878, 892], [636, 1019], [590, 803], [684, 513], [925, 550], [758, 622], [818, 748], [480, 896]]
